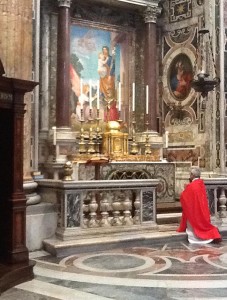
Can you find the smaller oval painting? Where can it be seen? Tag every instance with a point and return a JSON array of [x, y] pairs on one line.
[[180, 76]]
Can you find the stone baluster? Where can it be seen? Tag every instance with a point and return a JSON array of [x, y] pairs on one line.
[[222, 206], [127, 206], [93, 206], [104, 207], [85, 207], [116, 205], [216, 201], [137, 204]]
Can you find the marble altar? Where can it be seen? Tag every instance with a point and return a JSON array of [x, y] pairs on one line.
[[163, 171]]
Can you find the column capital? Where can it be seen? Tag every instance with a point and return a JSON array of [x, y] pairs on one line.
[[65, 3], [151, 13]]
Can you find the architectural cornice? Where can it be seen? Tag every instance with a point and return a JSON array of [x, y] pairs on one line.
[[152, 12], [140, 2], [137, 4], [65, 3]]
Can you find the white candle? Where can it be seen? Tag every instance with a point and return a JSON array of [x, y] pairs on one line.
[[147, 98], [119, 97], [167, 139], [133, 96], [81, 86], [54, 135], [98, 94], [90, 95]]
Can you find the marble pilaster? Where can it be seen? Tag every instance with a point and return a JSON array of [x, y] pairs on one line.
[[45, 41]]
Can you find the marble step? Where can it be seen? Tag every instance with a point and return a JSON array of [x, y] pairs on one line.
[[169, 218], [169, 207], [164, 233]]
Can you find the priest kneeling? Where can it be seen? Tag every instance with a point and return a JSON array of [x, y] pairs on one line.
[[195, 212]]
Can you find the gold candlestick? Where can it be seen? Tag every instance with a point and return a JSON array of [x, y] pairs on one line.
[[82, 145], [134, 145], [98, 133], [91, 144]]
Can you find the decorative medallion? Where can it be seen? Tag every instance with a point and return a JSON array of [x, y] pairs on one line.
[[180, 10]]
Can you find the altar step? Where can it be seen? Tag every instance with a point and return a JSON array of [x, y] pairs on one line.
[[169, 212], [171, 218], [163, 234]]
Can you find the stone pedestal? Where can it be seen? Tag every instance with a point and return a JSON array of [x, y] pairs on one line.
[[63, 144], [41, 222], [30, 192], [55, 148]]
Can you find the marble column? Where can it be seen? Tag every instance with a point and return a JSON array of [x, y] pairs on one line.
[[63, 63], [150, 17]]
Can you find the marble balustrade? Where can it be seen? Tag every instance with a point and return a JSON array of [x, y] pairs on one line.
[[101, 206], [216, 191]]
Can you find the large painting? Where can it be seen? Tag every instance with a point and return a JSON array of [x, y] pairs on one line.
[[180, 76], [99, 73]]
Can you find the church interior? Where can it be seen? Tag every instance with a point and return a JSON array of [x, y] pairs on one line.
[[105, 105]]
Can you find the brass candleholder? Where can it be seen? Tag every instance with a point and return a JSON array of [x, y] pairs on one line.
[[91, 144], [98, 133], [134, 145], [82, 144], [147, 144]]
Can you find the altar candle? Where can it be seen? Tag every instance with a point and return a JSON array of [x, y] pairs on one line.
[[54, 135], [147, 98], [167, 139], [81, 86], [98, 94], [133, 96], [119, 97], [90, 95]]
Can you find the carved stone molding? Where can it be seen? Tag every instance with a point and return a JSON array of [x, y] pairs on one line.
[[65, 3], [151, 13]]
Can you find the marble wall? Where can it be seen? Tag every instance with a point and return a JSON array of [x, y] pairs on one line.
[[188, 117]]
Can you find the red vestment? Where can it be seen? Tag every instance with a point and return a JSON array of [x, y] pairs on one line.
[[195, 208]]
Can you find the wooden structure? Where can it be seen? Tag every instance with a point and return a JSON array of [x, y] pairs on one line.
[[14, 262]]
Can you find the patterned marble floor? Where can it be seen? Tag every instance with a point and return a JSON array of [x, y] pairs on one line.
[[175, 270]]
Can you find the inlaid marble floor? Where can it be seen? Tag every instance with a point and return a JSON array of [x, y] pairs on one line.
[[175, 270]]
